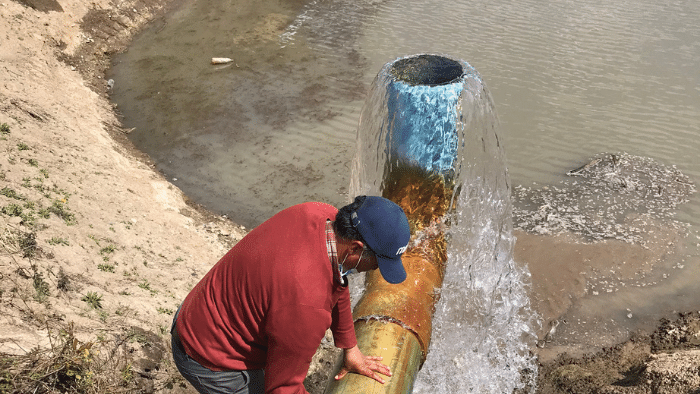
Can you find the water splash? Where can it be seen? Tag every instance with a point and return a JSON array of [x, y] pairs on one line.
[[483, 326]]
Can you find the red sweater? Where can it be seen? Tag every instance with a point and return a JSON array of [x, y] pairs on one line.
[[268, 302]]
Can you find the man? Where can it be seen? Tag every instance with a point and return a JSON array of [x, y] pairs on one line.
[[255, 320]]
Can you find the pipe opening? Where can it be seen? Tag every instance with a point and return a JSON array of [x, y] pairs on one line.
[[430, 70]]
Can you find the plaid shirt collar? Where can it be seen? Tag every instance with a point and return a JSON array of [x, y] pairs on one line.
[[333, 253]]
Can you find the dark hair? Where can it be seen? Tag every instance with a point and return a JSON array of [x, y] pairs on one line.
[[343, 222]]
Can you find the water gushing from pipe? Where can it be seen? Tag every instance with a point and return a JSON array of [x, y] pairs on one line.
[[433, 116]]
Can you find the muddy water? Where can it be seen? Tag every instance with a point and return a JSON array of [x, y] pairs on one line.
[[569, 80]]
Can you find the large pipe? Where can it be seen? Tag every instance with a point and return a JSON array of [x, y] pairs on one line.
[[420, 131]]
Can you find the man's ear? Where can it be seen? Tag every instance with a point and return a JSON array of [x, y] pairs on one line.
[[356, 247]]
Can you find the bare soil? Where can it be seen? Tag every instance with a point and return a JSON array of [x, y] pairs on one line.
[[97, 247]]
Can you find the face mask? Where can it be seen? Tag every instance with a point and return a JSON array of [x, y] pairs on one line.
[[351, 271]]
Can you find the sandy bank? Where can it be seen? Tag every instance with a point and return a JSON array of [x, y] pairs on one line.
[[90, 233]]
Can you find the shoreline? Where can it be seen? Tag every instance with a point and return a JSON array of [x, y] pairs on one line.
[[95, 239], [98, 248]]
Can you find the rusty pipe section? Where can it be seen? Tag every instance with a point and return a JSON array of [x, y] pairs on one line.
[[425, 200], [395, 321], [422, 107]]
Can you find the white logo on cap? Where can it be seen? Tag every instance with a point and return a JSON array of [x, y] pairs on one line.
[[402, 250]]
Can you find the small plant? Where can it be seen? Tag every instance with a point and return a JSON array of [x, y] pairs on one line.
[[139, 338], [27, 244], [44, 213], [33, 163], [147, 286], [106, 267], [44, 172], [28, 218], [122, 310], [4, 129], [127, 374], [103, 315], [94, 238], [12, 210], [41, 287], [10, 193], [93, 299], [17, 210], [58, 241], [22, 146], [101, 337], [63, 282], [165, 311], [106, 251], [59, 209]]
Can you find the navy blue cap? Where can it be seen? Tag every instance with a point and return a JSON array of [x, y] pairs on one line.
[[384, 227]]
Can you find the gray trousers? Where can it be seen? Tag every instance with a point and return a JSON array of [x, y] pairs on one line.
[[207, 381]]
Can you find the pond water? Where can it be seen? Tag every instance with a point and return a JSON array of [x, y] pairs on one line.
[[570, 80]]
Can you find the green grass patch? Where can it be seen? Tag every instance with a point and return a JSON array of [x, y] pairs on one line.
[[165, 311], [10, 193], [12, 210], [107, 251], [106, 267], [147, 286], [59, 208], [44, 213], [58, 241], [28, 218]]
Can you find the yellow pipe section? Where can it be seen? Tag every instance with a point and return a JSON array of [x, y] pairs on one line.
[[395, 321]]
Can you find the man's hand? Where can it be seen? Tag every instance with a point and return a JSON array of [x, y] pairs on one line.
[[357, 362]]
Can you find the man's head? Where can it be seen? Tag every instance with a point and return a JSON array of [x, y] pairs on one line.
[[382, 227]]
